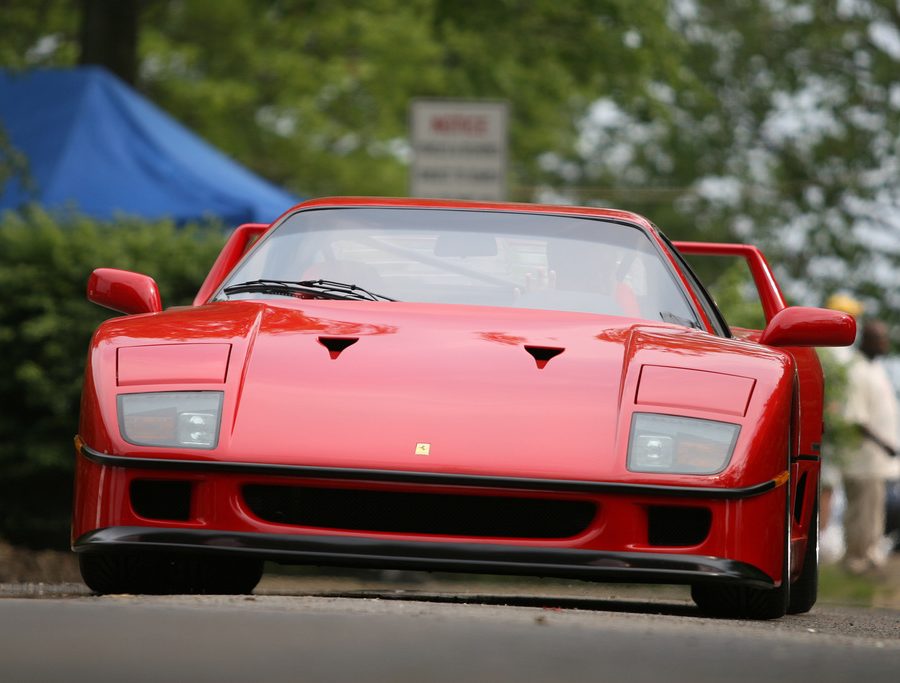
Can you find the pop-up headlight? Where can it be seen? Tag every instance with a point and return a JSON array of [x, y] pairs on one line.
[[173, 419], [679, 445]]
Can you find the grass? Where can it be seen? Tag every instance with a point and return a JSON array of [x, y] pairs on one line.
[[836, 586]]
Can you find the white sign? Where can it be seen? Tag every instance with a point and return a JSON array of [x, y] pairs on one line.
[[459, 149]]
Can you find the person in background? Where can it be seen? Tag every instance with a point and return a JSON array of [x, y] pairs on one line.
[[839, 438], [870, 406]]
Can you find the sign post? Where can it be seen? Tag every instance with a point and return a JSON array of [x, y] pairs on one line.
[[459, 149]]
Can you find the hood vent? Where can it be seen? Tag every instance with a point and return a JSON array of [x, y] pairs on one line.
[[543, 354], [337, 344]]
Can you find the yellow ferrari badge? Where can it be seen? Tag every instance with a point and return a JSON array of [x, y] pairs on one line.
[[423, 448]]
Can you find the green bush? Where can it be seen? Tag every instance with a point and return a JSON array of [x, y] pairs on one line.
[[45, 327]]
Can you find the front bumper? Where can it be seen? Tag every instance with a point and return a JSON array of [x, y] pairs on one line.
[[743, 543], [431, 556]]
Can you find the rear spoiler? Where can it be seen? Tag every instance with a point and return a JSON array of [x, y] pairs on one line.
[[770, 294]]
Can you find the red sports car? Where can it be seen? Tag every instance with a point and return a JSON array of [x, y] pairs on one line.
[[445, 385]]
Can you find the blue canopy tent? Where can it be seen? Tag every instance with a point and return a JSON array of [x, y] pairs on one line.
[[95, 145]]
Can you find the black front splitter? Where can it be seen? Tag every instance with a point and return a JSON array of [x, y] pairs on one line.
[[483, 558]]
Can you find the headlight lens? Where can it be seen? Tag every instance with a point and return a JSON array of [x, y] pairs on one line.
[[173, 419], [679, 445]]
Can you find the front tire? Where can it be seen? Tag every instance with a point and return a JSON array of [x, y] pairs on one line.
[[152, 574], [805, 589], [741, 602]]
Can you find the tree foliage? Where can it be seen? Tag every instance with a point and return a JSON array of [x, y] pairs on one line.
[[790, 141], [328, 84], [775, 121], [314, 95]]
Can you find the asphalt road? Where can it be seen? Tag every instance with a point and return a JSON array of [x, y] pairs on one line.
[[309, 632]]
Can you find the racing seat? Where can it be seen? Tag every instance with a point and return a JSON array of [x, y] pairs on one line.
[[628, 300]]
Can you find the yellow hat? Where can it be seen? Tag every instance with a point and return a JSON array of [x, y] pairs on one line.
[[845, 303]]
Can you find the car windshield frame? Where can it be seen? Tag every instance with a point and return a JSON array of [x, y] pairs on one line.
[[654, 251]]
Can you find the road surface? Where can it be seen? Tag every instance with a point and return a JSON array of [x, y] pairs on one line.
[[304, 631]]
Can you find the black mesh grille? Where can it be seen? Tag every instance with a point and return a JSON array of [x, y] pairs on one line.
[[419, 513], [677, 526]]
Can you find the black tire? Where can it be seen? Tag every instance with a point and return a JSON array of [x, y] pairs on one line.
[[805, 589], [165, 575], [222, 575], [120, 573], [744, 602], [741, 602]]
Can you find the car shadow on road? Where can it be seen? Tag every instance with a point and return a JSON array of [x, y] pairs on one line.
[[630, 606]]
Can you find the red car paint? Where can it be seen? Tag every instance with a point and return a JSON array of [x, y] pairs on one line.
[[459, 400]]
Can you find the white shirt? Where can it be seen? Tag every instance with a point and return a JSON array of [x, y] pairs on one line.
[[871, 402]]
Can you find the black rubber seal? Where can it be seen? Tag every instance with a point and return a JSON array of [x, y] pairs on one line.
[[405, 476]]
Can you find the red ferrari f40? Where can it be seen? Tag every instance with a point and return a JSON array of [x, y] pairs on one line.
[[454, 386]]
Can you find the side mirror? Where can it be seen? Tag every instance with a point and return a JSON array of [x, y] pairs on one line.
[[124, 291], [805, 326]]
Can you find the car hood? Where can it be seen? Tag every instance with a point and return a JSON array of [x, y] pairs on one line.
[[432, 388]]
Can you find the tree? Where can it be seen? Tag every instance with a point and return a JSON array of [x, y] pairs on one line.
[[109, 36], [791, 141], [771, 121], [315, 94]]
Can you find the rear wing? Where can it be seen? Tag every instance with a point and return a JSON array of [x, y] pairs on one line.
[[770, 294], [236, 246]]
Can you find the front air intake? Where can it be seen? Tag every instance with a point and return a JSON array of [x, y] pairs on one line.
[[419, 513], [165, 500], [677, 526]]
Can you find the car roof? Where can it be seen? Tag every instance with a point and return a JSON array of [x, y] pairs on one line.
[[420, 203]]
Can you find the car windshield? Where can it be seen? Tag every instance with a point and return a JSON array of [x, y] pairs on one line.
[[490, 258]]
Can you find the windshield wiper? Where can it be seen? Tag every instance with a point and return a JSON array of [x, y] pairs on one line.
[[321, 289]]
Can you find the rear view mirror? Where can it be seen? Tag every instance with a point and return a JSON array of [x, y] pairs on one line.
[[805, 326], [124, 291]]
